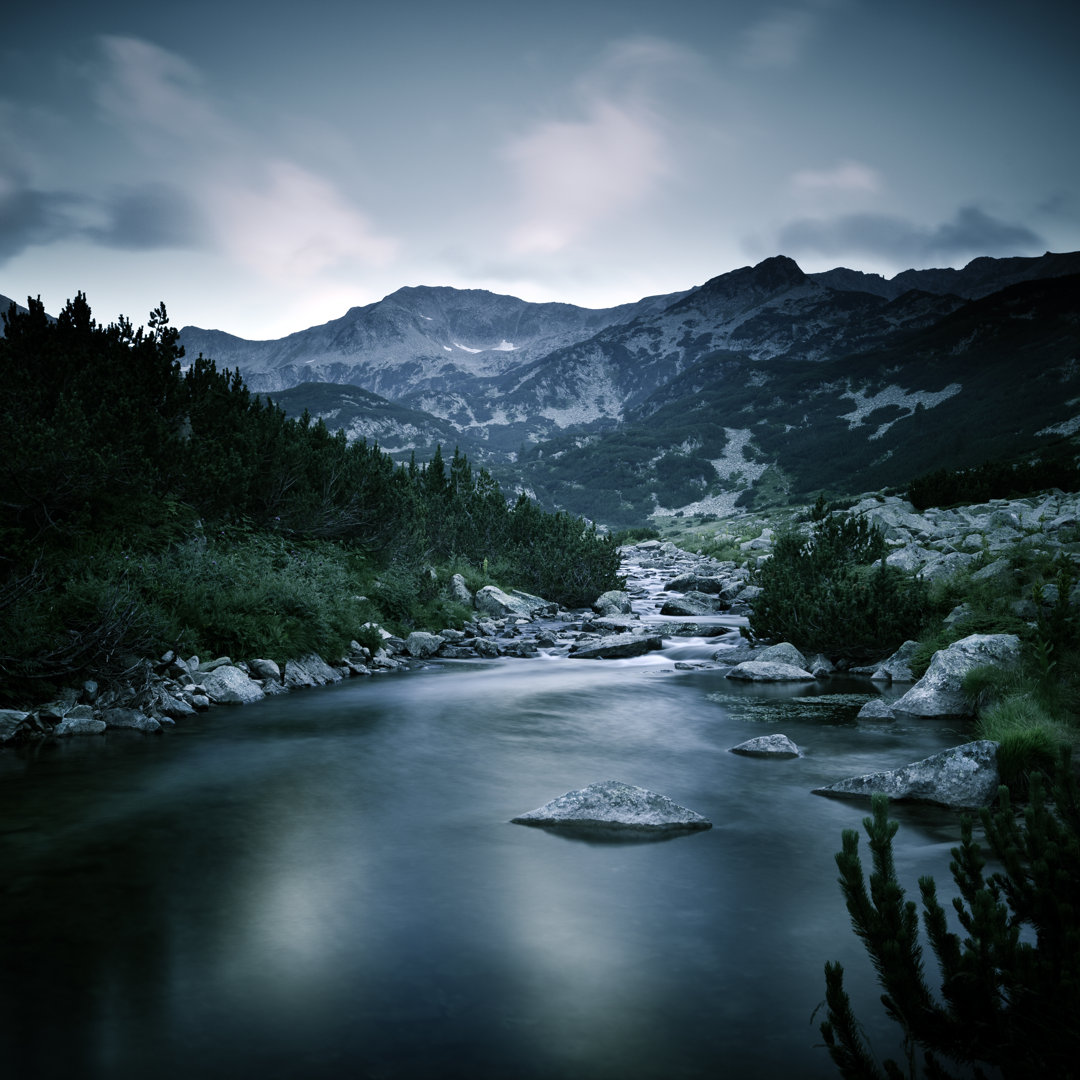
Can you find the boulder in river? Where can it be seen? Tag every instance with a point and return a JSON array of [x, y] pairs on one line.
[[612, 602], [776, 746], [614, 806], [939, 692], [617, 647], [961, 777], [230, 686], [769, 671], [421, 644], [491, 600], [785, 653], [694, 603]]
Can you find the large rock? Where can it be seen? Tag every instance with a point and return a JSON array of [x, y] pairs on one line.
[[778, 746], [459, 591], [79, 725], [422, 645], [769, 671], [961, 777], [617, 646], [265, 669], [491, 600], [938, 692], [897, 668], [613, 602], [230, 686], [130, 718], [783, 653], [702, 583], [310, 670], [10, 722], [693, 603], [613, 805]]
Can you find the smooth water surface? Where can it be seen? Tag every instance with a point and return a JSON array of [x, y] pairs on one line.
[[326, 884]]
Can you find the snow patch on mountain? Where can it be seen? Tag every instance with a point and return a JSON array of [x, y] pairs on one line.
[[907, 400]]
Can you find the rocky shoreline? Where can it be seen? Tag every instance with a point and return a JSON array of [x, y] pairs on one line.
[[664, 579]]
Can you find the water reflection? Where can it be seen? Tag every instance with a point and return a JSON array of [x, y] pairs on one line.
[[327, 884]]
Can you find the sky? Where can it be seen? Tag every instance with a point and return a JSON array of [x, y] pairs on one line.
[[261, 168]]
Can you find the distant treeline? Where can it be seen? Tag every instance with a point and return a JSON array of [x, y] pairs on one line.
[[993, 480], [119, 466]]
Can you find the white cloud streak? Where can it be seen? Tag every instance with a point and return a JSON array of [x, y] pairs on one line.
[[848, 176], [572, 175], [269, 214]]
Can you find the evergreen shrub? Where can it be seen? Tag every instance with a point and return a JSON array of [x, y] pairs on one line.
[[1009, 999]]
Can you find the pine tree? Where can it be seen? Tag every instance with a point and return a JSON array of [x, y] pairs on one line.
[[1009, 1001]]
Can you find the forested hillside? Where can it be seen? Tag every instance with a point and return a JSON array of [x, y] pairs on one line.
[[148, 505]]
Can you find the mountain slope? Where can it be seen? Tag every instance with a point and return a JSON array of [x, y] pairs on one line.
[[997, 378]]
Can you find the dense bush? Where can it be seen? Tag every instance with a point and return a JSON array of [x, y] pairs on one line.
[[993, 480], [830, 591], [1010, 987]]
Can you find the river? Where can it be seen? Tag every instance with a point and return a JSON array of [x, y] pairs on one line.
[[326, 884]]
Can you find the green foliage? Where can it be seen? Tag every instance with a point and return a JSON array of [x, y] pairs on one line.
[[1010, 988], [636, 534], [821, 593], [994, 480], [145, 506]]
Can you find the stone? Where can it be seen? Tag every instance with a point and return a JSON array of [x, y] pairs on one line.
[[213, 665], [265, 669], [613, 805], [819, 666], [79, 725], [459, 591], [783, 653], [11, 720], [693, 603], [876, 709], [702, 583], [779, 746], [230, 686], [537, 606], [422, 645], [457, 652], [487, 648], [612, 602], [310, 670], [769, 671], [617, 646], [129, 718], [962, 777], [938, 692], [897, 668], [491, 600]]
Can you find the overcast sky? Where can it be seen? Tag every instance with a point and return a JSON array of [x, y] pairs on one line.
[[262, 168]]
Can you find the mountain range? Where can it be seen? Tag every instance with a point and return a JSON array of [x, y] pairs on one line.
[[762, 384]]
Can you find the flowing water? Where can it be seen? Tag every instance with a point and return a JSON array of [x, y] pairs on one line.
[[327, 884]]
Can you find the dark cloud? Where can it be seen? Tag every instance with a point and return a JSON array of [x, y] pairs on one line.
[[972, 231], [29, 217], [147, 218]]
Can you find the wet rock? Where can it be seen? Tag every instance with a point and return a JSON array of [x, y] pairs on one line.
[[311, 670], [961, 777], [617, 646], [938, 692], [612, 602], [129, 718], [783, 653], [265, 669], [693, 603], [769, 671], [897, 668], [423, 645], [11, 720], [778, 746], [79, 726], [457, 652], [230, 686], [491, 600], [611, 804], [876, 709]]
